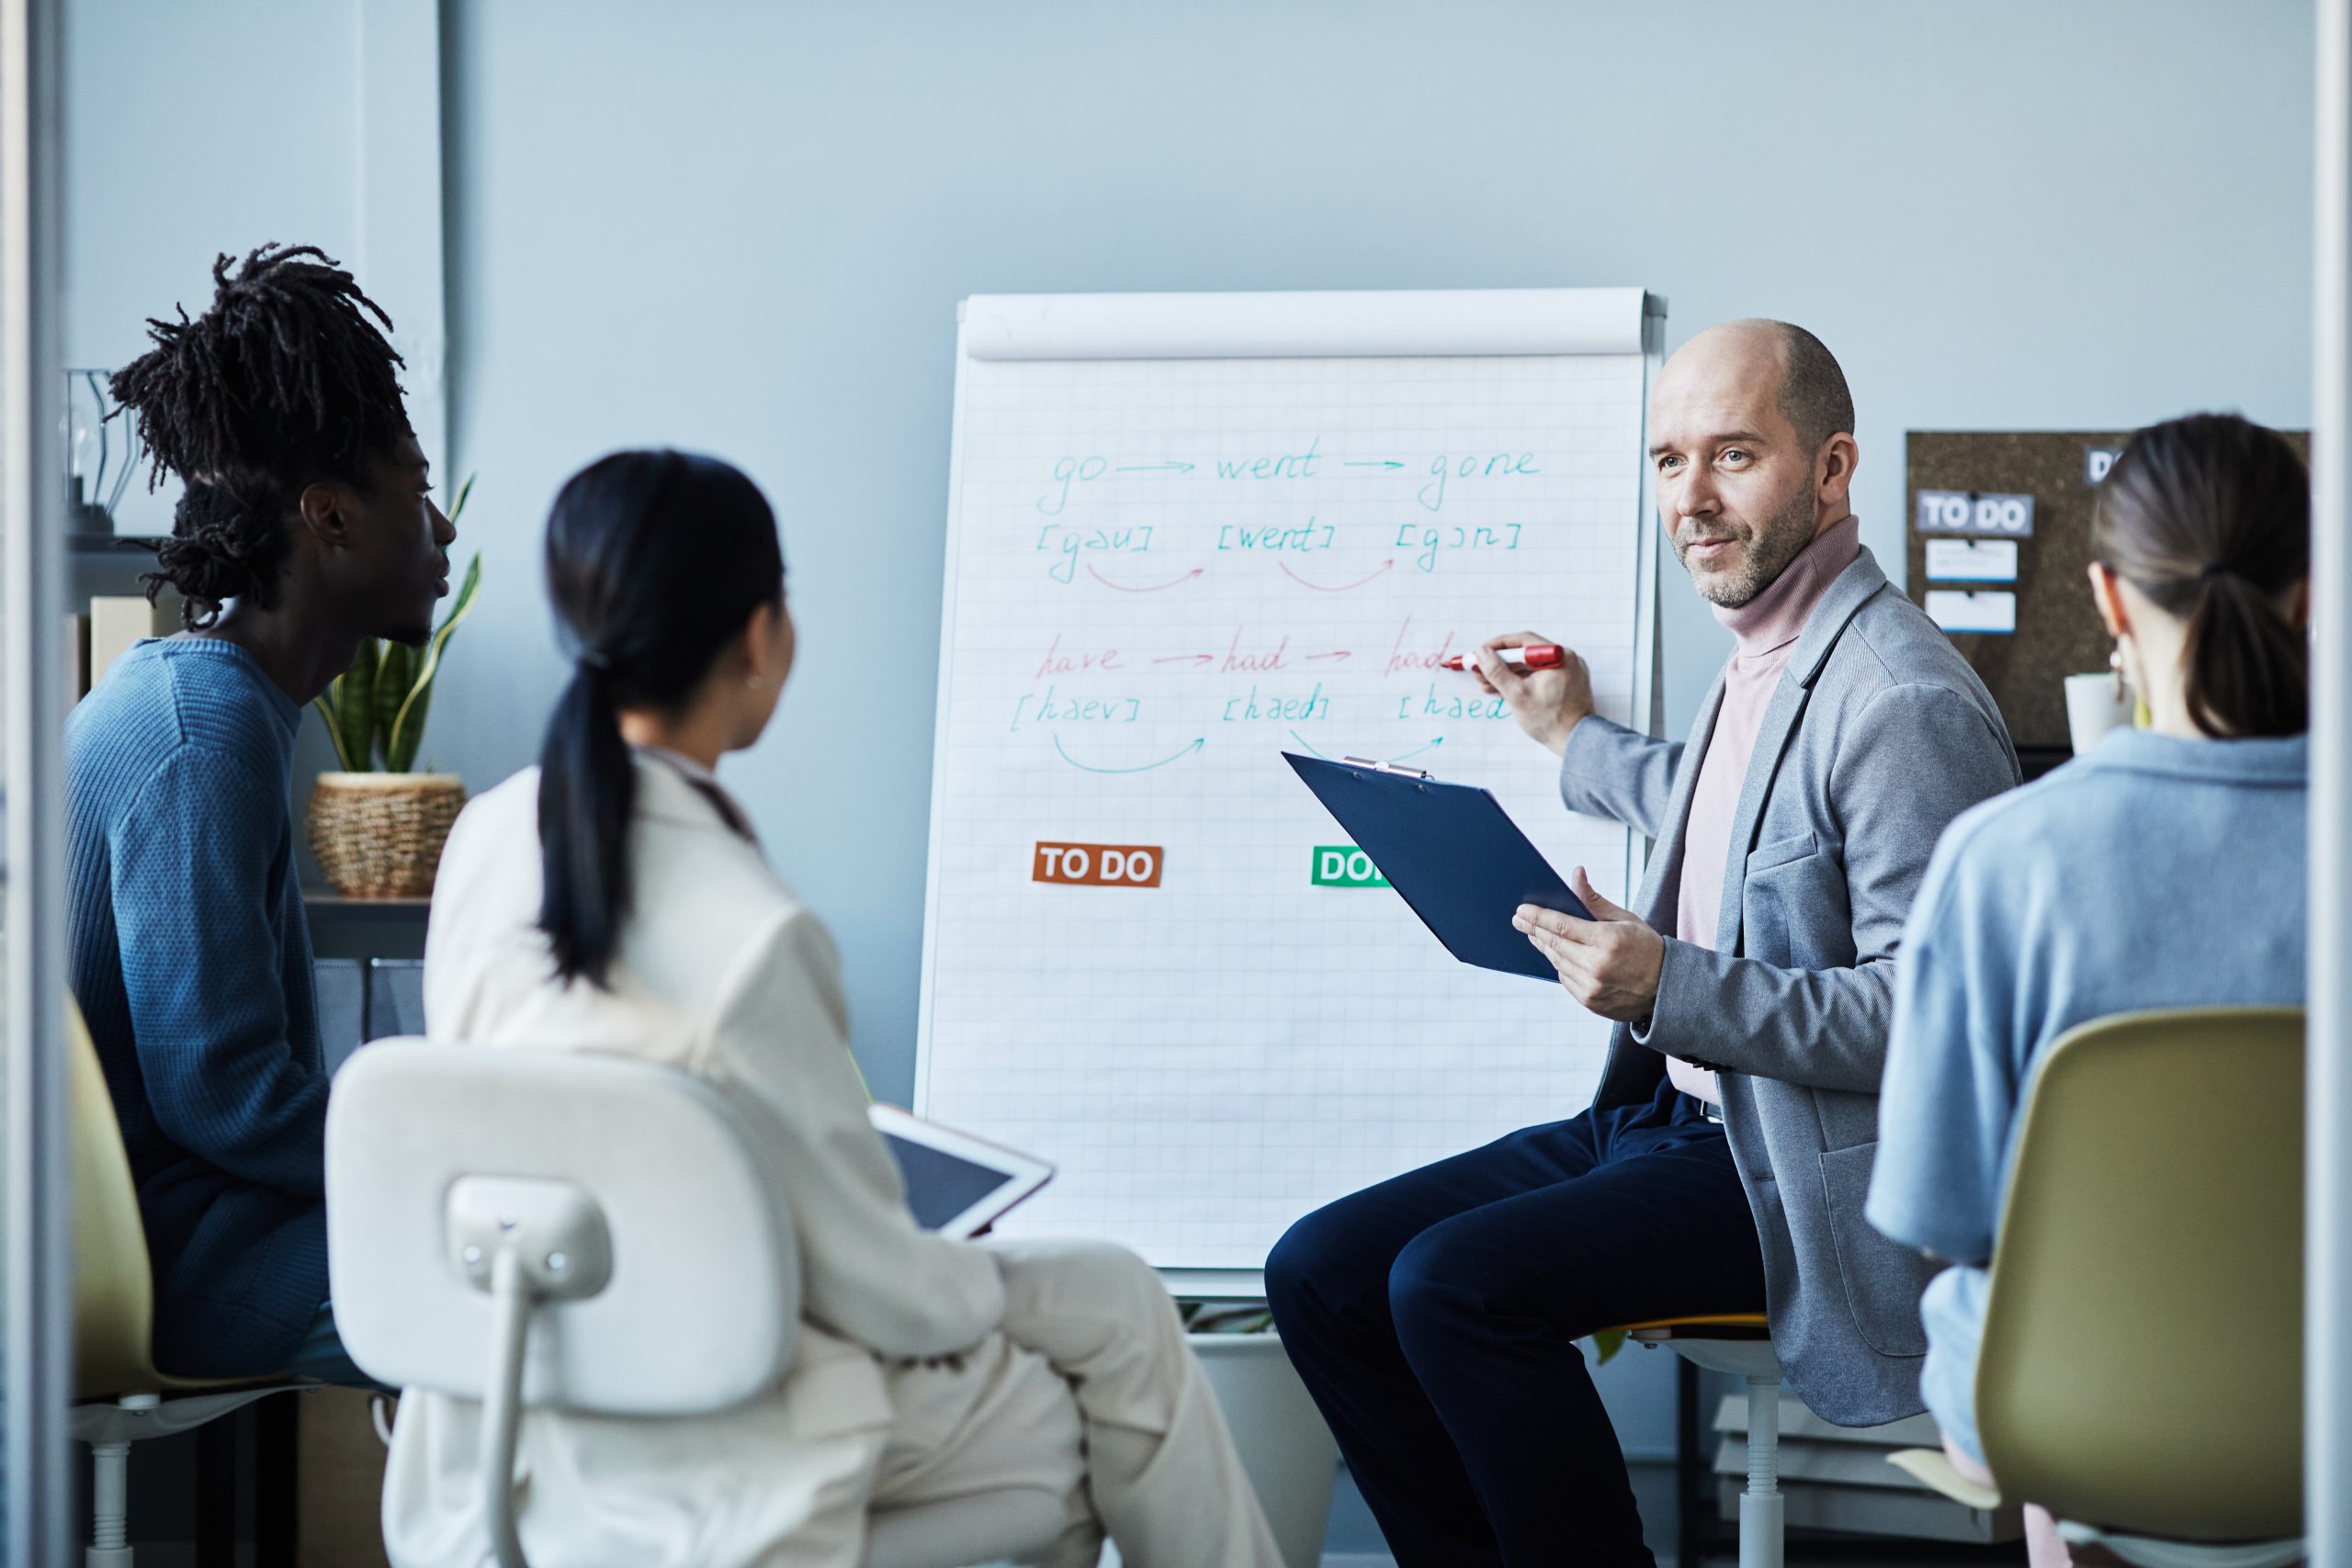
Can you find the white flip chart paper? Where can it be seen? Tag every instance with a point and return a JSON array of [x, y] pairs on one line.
[[1141, 963]]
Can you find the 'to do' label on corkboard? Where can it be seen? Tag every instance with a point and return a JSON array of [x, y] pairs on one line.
[[1098, 865], [2024, 651], [1971, 512]]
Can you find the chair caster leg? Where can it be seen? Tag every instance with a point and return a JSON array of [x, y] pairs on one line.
[[109, 1506], [1763, 1524]]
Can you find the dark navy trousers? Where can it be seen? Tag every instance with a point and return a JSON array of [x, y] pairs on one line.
[[1435, 1319]]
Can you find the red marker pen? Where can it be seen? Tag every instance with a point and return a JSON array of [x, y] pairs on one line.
[[1534, 656]]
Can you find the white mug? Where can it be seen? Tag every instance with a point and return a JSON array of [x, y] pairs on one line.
[[2092, 708]]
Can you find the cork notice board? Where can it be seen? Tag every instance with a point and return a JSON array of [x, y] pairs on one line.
[[2058, 632]]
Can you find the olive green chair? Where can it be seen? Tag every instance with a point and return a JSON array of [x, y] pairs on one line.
[[2141, 1374], [119, 1396]]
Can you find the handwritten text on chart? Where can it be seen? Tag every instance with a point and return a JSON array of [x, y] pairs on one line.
[[1066, 544], [1303, 539], [1064, 547], [1100, 706], [1073, 697], [1248, 650], [1435, 475], [1052, 709], [1099, 865]]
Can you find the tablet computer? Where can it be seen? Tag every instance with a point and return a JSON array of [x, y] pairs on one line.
[[957, 1185]]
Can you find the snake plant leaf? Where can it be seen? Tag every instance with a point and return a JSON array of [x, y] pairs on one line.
[[375, 710], [353, 693], [324, 703], [395, 669], [407, 728]]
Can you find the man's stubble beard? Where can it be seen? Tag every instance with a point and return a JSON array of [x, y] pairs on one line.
[[1769, 550]]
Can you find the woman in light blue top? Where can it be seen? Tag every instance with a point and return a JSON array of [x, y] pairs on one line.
[[2164, 869]]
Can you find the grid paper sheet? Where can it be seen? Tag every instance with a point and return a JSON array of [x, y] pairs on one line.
[[1162, 574]]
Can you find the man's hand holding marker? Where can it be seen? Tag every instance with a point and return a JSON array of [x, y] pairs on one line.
[[1532, 656], [1549, 688]]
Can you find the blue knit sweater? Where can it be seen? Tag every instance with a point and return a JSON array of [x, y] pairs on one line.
[[191, 958]]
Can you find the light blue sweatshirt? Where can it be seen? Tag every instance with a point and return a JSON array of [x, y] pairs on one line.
[[2153, 872]]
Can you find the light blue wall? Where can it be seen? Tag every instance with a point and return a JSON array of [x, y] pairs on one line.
[[192, 129], [184, 138], [745, 226]]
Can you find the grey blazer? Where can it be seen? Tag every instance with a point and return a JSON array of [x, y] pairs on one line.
[[1877, 736]]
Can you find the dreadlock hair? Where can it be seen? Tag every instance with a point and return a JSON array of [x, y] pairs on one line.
[[283, 382]]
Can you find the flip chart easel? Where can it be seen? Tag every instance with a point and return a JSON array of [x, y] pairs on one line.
[[1186, 533]]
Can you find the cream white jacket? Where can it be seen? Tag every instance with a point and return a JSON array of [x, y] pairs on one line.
[[720, 971]]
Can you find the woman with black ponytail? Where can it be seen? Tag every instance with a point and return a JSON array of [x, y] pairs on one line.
[[616, 900], [2164, 869]]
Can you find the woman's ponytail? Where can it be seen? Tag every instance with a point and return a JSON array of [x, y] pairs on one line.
[[2245, 666], [587, 788], [2211, 517], [655, 561]]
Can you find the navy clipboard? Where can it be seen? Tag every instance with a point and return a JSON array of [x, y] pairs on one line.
[[1454, 854]]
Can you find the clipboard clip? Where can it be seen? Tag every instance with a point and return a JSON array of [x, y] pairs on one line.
[[1387, 768]]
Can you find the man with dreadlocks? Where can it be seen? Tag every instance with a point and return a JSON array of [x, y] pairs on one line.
[[307, 525]]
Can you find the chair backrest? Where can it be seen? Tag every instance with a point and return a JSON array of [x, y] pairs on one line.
[[114, 1294], [701, 1307], [2142, 1367]]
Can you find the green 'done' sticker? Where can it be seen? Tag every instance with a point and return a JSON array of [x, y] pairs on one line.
[[1344, 866]]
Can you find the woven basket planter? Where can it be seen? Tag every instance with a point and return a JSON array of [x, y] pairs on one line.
[[379, 835]]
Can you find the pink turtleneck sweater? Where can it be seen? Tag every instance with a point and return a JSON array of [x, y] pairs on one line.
[[1766, 629]]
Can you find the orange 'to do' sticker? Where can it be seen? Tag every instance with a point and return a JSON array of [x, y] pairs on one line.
[[1098, 865]]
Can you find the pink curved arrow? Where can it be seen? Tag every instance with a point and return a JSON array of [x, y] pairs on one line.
[[1320, 589], [1155, 589]]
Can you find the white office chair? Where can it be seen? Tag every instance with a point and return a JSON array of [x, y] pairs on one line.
[[553, 1230], [1739, 1343]]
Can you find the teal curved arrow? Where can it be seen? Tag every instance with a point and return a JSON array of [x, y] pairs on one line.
[[1435, 742], [1180, 756]]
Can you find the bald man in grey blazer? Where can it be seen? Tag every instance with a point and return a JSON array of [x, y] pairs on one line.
[[1724, 1163]]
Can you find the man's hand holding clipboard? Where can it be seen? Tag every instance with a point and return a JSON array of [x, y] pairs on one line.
[[1437, 843], [1609, 963], [1612, 963], [1462, 864]]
